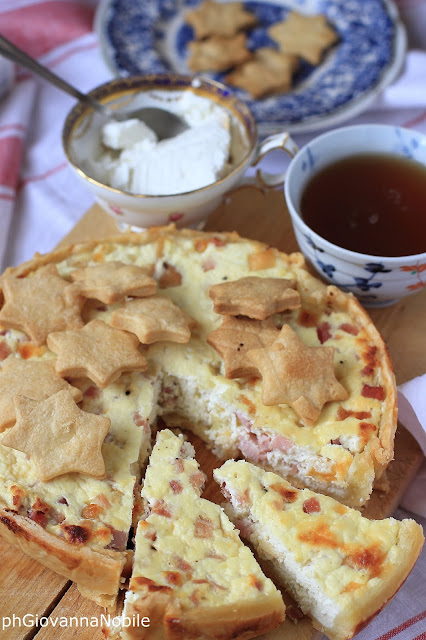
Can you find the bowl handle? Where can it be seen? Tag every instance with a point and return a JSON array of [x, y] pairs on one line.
[[281, 141]]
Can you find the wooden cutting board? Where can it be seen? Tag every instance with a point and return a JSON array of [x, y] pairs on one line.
[[26, 588]]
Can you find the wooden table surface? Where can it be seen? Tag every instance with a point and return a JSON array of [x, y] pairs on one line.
[[26, 588]]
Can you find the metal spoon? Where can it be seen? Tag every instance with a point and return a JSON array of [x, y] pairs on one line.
[[164, 123]]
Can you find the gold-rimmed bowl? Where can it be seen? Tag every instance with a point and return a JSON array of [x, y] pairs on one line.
[[81, 139]]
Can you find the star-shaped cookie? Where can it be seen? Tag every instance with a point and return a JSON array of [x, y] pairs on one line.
[[35, 379], [268, 72], [221, 19], [298, 375], [254, 297], [303, 35], [218, 53], [97, 351], [58, 436], [235, 337], [38, 305], [154, 319], [113, 281]]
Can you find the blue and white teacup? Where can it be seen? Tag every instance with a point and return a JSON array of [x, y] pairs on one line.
[[375, 280]]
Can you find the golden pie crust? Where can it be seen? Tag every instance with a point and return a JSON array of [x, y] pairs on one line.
[[97, 572]]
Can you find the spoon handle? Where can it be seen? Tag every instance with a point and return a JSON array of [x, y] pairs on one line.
[[9, 50]]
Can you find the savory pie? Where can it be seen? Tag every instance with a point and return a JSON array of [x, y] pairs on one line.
[[192, 576], [340, 567], [79, 525]]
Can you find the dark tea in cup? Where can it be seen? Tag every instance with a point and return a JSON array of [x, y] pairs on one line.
[[370, 203]]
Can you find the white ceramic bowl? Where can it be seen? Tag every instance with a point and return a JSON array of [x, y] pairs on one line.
[[375, 280], [81, 135]]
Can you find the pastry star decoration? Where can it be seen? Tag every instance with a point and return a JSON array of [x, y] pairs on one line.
[[38, 304], [298, 375], [154, 319], [307, 36], [220, 19], [58, 436], [35, 379], [235, 337], [270, 71], [112, 281], [96, 351], [254, 297]]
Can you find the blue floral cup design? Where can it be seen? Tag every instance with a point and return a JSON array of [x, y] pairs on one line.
[[375, 280]]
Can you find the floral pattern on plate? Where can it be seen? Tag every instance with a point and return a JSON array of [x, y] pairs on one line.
[[139, 37]]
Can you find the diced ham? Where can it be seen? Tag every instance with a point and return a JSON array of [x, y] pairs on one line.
[[203, 527], [378, 393], [161, 510], [5, 350], [176, 486], [349, 328], [179, 465], [40, 512], [255, 582], [247, 443], [342, 414], [40, 505], [197, 480], [182, 564], [311, 505], [150, 535], [139, 420], [282, 443], [38, 516], [118, 541], [307, 319], [323, 332], [255, 447], [215, 556], [246, 422], [208, 264]]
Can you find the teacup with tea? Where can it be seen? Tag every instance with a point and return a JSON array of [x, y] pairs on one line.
[[357, 199]]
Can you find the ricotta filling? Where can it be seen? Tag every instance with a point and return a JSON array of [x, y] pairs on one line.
[[131, 158]]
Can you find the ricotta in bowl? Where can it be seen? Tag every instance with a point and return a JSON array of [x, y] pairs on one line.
[[129, 157]]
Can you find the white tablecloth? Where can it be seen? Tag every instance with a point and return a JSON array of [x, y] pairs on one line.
[[40, 199]]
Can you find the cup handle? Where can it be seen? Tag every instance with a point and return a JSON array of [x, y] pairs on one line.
[[281, 141]]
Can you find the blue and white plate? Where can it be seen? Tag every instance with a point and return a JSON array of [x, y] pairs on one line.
[[141, 36]]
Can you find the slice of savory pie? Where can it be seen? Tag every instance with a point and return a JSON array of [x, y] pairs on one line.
[[340, 567], [75, 524], [192, 575]]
